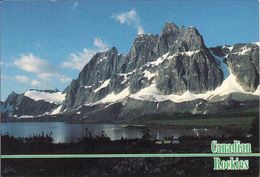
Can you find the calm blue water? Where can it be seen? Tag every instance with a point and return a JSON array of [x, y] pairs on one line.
[[65, 132]]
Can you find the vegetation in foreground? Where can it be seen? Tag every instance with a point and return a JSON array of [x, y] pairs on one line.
[[166, 167]]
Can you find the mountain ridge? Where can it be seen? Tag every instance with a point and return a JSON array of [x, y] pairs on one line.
[[174, 66]]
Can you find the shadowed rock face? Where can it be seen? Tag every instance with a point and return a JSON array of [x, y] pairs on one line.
[[21, 105], [102, 67], [196, 73], [243, 61], [186, 65], [143, 50], [175, 39]]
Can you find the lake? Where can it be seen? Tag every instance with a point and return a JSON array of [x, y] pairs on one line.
[[66, 132]]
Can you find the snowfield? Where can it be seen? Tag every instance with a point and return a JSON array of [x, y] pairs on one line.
[[228, 86], [56, 97], [151, 93], [57, 110], [112, 97]]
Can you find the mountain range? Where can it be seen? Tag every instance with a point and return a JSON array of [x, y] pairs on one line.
[[174, 72]]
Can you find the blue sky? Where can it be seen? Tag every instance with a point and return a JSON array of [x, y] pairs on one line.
[[44, 44]]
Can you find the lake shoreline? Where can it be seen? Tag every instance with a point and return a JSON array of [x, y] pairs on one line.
[[233, 120], [70, 132], [140, 124]]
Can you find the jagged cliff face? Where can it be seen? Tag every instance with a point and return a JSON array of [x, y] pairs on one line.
[[101, 70], [175, 61]]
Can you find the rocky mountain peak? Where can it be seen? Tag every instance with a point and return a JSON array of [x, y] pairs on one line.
[[188, 66], [142, 50], [107, 53], [169, 27], [12, 97]]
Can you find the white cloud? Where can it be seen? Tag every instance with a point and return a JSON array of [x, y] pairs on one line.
[[75, 5], [41, 68], [25, 80], [64, 79], [130, 18], [22, 79], [35, 83], [78, 60], [33, 64], [100, 44]]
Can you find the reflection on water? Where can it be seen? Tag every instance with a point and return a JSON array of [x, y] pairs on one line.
[[64, 132]]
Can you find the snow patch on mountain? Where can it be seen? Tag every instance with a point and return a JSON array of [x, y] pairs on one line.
[[152, 94], [148, 93], [148, 74], [114, 97], [25, 116], [125, 75], [230, 48], [159, 60], [102, 59], [55, 97], [87, 87], [103, 85], [189, 53], [168, 56], [31, 116], [244, 50], [57, 110], [257, 91], [228, 86]]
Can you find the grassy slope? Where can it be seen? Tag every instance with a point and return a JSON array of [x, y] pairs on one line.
[[230, 119]]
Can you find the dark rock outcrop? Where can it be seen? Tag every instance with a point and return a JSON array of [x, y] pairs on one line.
[[243, 61]]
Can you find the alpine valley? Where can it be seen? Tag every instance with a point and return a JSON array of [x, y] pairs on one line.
[[166, 74]]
